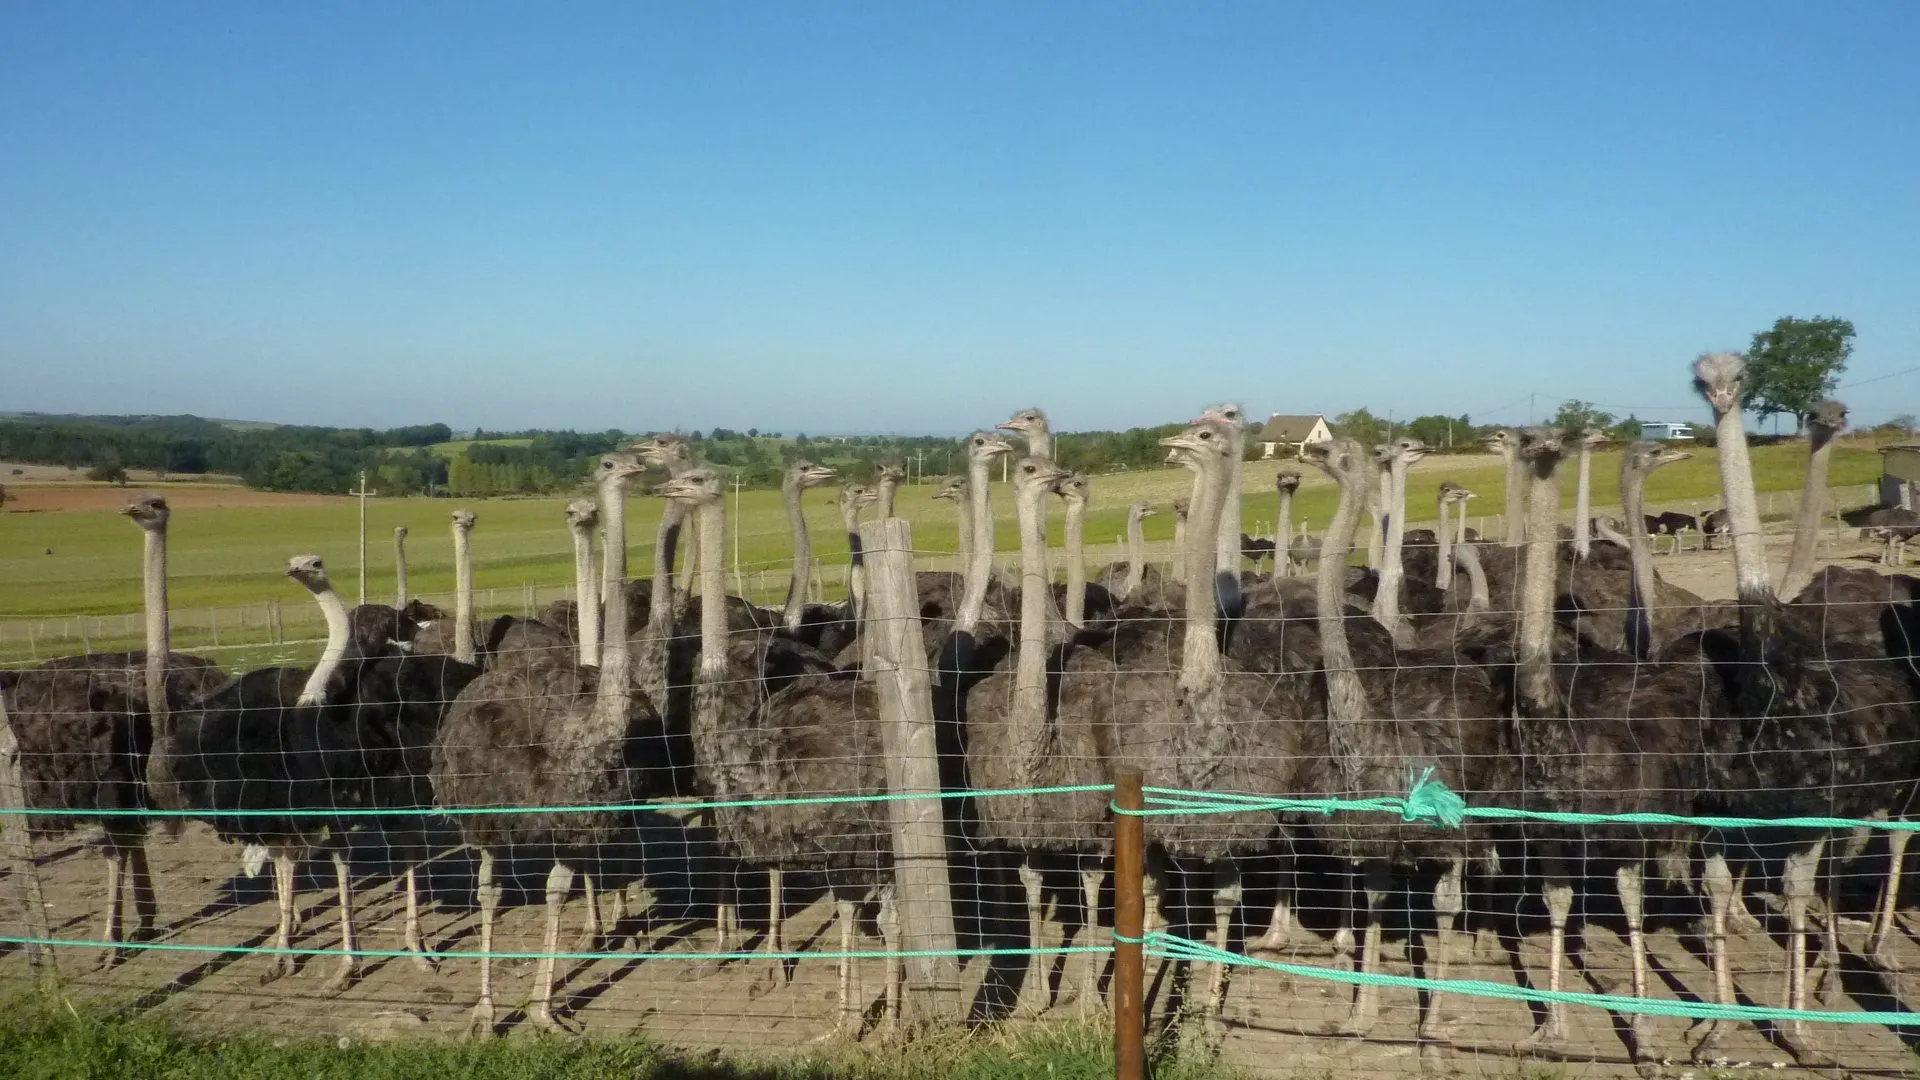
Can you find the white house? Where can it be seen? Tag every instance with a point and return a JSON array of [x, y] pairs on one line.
[[1666, 431], [1291, 431]]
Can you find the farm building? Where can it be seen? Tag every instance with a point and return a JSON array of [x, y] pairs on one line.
[[1899, 474], [1666, 431], [1291, 431]]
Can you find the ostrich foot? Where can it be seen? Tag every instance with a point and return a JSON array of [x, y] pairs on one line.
[[1741, 920], [1883, 961], [1550, 1038], [543, 1017], [1707, 1048], [1439, 1026], [480, 1021], [1793, 1039], [279, 967], [1358, 1024], [348, 974], [420, 959]]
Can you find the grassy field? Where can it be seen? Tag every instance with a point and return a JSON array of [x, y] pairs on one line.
[[235, 555], [46, 1038], [454, 446]]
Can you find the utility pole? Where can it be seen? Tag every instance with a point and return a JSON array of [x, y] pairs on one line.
[[920, 464], [739, 584], [363, 493]]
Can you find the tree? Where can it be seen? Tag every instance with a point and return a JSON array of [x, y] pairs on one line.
[[1576, 415], [1441, 432], [3, 494], [1627, 430], [1795, 364], [1362, 425], [1902, 424], [108, 472]]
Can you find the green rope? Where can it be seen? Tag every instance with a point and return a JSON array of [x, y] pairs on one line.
[[1171, 947]]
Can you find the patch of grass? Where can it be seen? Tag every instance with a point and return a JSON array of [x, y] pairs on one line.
[[454, 446], [236, 556], [44, 1037]]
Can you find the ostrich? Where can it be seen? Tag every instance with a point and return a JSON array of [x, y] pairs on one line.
[[1396, 456], [1232, 420], [1201, 723], [816, 736], [888, 475], [1180, 506], [582, 516], [1824, 421], [798, 477], [83, 727], [1504, 443], [1073, 490], [1285, 482], [540, 730], [279, 739], [1013, 742], [1451, 495], [1444, 718], [1823, 728], [1031, 425], [854, 498], [956, 490], [1124, 582], [1603, 732], [400, 567], [461, 640], [1587, 441]]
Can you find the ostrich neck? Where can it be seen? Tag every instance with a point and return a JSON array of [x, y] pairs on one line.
[[1040, 443], [802, 556], [856, 565], [1226, 546], [1030, 666], [586, 596], [1538, 695], [1283, 531], [1136, 552], [1806, 519], [713, 599], [1443, 570], [1633, 503], [884, 504], [335, 610], [1346, 698], [154, 573], [1460, 527], [1076, 562], [1750, 576], [1377, 534], [400, 569], [1515, 525], [1200, 654], [1386, 599], [1582, 492], [1478, 598], [660, 597], [616, 663], [462, 597], [963, 540], [979, 567], [1180, 546]]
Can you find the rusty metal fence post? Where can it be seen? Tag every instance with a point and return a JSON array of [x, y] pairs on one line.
[[1129, 929]]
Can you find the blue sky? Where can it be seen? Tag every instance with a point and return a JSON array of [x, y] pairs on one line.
[[919, 217]]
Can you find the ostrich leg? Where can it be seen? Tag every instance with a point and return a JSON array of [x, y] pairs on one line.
[[480, 1022], [1717, 878], [1366, 999], [1280, 926], [896, 966], [851, 1008], [110, 932], [1797, 887], [1630, 882], [140, 877], [1558, 892], [349, 962], [1879, 954], [591, 930], [1227, 893], [283, 884], [1090, 881], [776, 911], [559, 884], [1033, 987], [412, 934], [1449, 904]]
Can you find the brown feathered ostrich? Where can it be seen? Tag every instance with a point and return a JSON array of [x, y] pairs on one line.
[[817, 736], [1824, 728], [538, 729], [1505, 443], [84, 725], [888, 475], [1285, 483]]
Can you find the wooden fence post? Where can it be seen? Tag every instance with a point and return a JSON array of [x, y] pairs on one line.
[[19, 847], [907, 738], [1129, 927]]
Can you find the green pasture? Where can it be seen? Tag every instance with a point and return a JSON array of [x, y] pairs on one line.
[[235, 556]]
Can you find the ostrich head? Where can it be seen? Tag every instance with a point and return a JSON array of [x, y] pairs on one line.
[[953, 487], [148, 511], [889, 472], [1035, 477], [1180, 508], [1142, 510], [1228, 413], [853, 497], [399, 532], [1344, 460], [1452, 492], [1717, 376], [1542, 447], [697, 487], [1825, 420], [1500, 441], [1027, 422], [1074, 488], [1644, 457], [615, 468], [310, 572], [986, 445], [1406, 450], [463, 520], [804, 474], [1206, 436], [1287, 480], [669, 450], [582, 514], [1592, 439]]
